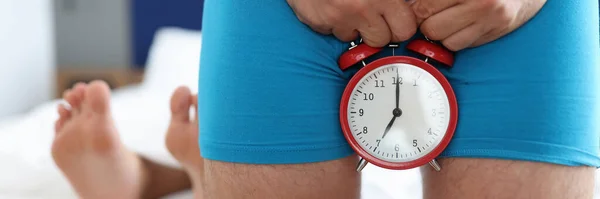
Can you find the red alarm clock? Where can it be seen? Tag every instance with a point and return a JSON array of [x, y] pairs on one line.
[[398, 112]]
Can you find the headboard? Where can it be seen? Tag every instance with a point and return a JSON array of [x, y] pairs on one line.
[[150, 15]]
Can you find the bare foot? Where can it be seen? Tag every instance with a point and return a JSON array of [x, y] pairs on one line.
[[87, 148], [182, 136]]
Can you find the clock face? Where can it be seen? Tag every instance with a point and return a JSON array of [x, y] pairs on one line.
[[398, 112]]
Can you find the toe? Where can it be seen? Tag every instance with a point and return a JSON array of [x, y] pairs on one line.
[[63, 112], [64, 115], [75, 95], [66, 94], [180, 104], [78, 92], [58, 126], [79, 85], [97, 97], [195, 104]]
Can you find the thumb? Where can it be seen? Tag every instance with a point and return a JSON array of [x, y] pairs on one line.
[[374, 31], [401, 21], [424, 9]]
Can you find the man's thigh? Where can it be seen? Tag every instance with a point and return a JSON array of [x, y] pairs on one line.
[[527, 124], [269, 94], [335, 179], [463, 178]]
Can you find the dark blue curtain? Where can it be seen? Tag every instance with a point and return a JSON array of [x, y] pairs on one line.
[[150, 15]]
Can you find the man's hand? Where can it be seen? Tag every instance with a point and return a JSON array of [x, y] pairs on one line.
[[459, 24], [377, 21]]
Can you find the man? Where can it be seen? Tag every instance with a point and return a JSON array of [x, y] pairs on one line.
[[270, 89]]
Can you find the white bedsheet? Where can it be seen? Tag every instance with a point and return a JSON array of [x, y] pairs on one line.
[[141, 116]]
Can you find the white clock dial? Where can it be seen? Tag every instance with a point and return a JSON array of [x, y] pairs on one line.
[[424, 119]]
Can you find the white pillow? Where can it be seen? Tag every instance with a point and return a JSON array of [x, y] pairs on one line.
[[173, 60]]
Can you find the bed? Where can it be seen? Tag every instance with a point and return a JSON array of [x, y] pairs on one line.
[[141, 115]]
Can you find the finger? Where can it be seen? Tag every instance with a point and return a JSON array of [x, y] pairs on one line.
[[482, 40], [375, 31], [465, 37], [344, 25], [322, 30], [401, 20], [449, 21], [424, 9], [314, 21], [324, 22], [489, 37], [496, 33], [317, 25], [345, 34]]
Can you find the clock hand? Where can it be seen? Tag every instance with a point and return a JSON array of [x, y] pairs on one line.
[[389, 126], [397, 112], [397, 89]]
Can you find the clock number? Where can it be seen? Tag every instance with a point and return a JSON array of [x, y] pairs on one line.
[[415, 84], [399, 80], [433, 113], [361, 112], [430, 95], [397, 147], [364, 131], [379, 83], [378, 141], [429, 131], [369, 97], [414, 143]]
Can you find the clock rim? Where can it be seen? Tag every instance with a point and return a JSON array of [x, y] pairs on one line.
[[399, 60]]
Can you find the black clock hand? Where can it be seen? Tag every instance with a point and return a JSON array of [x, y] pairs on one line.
[[397, 89], [397, 112], [389, 126]]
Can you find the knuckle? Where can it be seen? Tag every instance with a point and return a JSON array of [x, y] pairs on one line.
[[347, 37], [334, 17], [500, 9], [501, 13], [430, 31], [504, 15], [406, 34], [356, 6], [375, 42], [302, 19], [352, 36], [305, 19], [451, 45], [338, 3], [422, 11], [489, 4], [350, 6], [318, 25], [321, 30]]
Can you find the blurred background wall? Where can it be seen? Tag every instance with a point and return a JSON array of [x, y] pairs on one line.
[[26, 54], [48, 45], [116, 33], [92, 33]]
